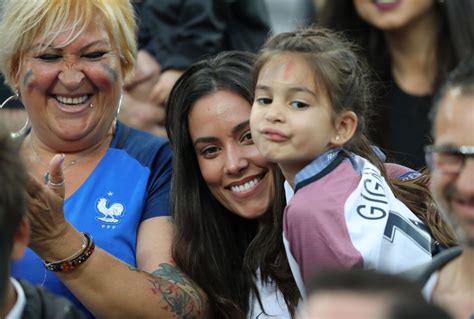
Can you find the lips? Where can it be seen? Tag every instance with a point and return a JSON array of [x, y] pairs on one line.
[[71, 100], [72, 104], [246, 184], [385, 5], [274, 135]]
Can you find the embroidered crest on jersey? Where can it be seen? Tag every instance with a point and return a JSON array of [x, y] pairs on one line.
[[111, 212]]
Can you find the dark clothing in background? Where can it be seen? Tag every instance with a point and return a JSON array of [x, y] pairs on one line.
[[180, 32], [406, 128]]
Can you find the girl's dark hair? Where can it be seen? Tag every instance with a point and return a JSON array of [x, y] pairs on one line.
[[455, 42], [345, 77], [219, 250]]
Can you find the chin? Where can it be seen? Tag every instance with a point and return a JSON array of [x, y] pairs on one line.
[[251, 212]]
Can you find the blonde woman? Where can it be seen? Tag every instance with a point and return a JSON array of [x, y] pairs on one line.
[[98, 192]]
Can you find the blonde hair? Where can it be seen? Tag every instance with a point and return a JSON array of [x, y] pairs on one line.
[[22, 22]]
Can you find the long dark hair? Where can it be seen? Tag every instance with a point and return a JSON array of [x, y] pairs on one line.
[[219, 250], [345, 77]]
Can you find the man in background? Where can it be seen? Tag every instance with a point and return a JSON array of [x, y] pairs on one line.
[[448, 279]]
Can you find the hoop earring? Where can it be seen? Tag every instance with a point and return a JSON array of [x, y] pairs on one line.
[[114, 123], [120, 104], [22, 131]]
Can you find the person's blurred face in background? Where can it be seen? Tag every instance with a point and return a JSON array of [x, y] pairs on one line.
[[453, 174]]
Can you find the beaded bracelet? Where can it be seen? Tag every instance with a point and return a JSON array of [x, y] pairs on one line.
[[76, 259]]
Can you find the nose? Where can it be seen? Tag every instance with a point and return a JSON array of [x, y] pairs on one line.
[[465, 180], [274, 113], [71, 77], [236, 160]]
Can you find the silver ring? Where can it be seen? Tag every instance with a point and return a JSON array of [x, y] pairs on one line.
[[55, 185]]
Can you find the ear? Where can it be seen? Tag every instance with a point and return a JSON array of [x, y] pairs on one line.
[[346, 125], [21, 239]]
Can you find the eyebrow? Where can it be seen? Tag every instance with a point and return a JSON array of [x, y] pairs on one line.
[[295, 89], [208, 139], [88, 46], [205, 140], [240, 127], [98, 42]]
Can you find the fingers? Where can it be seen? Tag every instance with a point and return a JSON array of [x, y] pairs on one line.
[[162, 89], [156, 94], [158, 115], [142, 115], [32, 185], [56, 177], [145, 67]]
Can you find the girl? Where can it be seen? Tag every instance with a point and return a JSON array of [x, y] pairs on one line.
[[309, 116]]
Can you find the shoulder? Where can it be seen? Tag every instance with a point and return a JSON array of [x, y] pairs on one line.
[[140, 140], [327, 194], [336, 182], [43, 304], [142, 146], [400, 172]]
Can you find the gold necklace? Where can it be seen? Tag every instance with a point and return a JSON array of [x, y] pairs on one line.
[[45, 164]]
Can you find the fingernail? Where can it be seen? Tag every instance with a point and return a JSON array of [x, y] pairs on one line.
[[62, 158]]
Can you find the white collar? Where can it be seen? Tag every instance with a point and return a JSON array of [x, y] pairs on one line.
[[19, 306]]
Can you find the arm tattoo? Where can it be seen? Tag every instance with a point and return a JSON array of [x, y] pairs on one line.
[[182, 296]]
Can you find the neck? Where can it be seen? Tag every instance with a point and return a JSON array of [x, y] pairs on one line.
[[9, 301], [466, 266], [460, 272], [289, 172], [413, 53], [42, 153]]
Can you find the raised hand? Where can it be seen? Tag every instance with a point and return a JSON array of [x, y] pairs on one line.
[[45, 209]]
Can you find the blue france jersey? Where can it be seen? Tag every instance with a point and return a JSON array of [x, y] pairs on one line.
[[130, 184]]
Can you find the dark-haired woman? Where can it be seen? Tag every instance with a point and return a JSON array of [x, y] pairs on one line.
[[227, 200]]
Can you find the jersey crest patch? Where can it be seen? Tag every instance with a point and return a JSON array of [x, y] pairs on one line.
[[110, 212]]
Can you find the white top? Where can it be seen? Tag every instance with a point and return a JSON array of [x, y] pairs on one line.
[[289, 192], [272, 300], [429, 286], [19, 306]]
